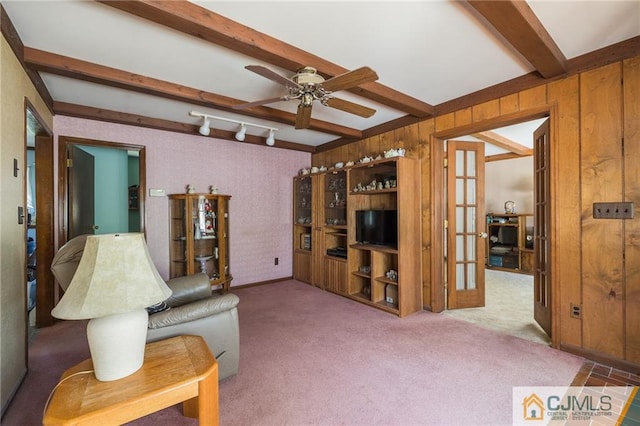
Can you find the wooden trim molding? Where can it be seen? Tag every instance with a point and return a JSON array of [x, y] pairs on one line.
[[63, 195], [601, 358], [79, 111]]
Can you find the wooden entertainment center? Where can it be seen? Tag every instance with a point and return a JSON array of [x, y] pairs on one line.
[[326, 251], [510, 242]]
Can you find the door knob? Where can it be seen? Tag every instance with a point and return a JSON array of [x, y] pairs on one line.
[[482, 235], [94, 227]]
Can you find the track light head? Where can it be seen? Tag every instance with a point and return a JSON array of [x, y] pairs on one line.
[[242, 132], [204, 129], [271, 139]]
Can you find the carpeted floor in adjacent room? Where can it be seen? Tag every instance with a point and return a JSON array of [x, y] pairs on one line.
[[508, 307], [310, 357]]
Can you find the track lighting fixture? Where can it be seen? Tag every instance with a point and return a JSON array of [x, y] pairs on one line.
[[271, 139], [204, 129], [240, 134]]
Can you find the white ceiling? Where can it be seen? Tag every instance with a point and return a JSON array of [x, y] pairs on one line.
[[434, 51]]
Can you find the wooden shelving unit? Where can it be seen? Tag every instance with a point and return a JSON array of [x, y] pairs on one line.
[[320, 224], [304, 206], [362, 275], [404, 295], [508, 245], [199, 237]]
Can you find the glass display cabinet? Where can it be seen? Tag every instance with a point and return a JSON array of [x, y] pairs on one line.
[[199, 237], [302, 228], [335, 231]]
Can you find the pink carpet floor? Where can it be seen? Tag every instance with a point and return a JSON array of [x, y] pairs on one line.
[[309, 357]]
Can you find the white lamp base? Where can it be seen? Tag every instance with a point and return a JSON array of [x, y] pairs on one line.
[[117, 344]]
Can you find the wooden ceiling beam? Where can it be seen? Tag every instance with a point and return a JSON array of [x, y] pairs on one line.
[[40, 60], [99, 114], [504, 143], [204, 24], [517, 23], [500, 157]]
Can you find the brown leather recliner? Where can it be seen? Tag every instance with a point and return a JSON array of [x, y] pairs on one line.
[[192, 309]]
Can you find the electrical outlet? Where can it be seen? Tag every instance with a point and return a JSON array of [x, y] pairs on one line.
[[575, 311], [622, 210], [275, 261]]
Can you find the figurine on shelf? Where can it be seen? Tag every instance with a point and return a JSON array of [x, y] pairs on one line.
[[203, 262], [213, 189], [510, 207], [191, 189], [399, 152]]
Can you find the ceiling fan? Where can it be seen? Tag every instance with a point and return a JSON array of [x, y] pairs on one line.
[[308, 86]]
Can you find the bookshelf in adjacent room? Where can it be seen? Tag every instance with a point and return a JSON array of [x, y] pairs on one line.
[[510, 242]]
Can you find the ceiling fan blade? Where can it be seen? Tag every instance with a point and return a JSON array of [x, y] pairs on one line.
[[350, 79], [258, 103], [273, 76], [303, 118], [350, 107]]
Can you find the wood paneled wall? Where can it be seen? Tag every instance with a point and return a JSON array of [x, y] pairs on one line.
[[595, 135]]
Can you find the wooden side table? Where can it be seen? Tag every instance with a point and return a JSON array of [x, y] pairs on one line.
[[179, 369]]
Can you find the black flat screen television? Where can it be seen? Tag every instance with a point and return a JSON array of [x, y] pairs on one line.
[[508, 235], [377, 227]]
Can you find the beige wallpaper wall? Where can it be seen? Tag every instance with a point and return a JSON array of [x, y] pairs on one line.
[[15, 87], [509, 180]]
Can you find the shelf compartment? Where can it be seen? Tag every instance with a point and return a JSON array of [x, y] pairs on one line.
[[375, 247], [391, 307], [361, 297], [386, 280], [361, 274], [359, 286]]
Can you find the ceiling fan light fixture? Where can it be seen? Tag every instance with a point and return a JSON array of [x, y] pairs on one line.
[[271, 139], [205, 129], [240, 134], [307, 99], [308, 86]]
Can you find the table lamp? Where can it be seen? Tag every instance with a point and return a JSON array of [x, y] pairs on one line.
[[114, 283]]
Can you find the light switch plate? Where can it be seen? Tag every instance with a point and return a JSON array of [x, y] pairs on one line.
[[157, 192], [622, 210]]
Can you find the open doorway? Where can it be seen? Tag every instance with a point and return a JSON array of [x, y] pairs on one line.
[[504, 241], [39, 218], [102, 187], [132, 196]]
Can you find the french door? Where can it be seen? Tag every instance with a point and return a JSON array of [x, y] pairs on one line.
[[466, 225], [542, 268]]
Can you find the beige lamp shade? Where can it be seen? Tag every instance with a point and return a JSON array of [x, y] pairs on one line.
[[115, 275]]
